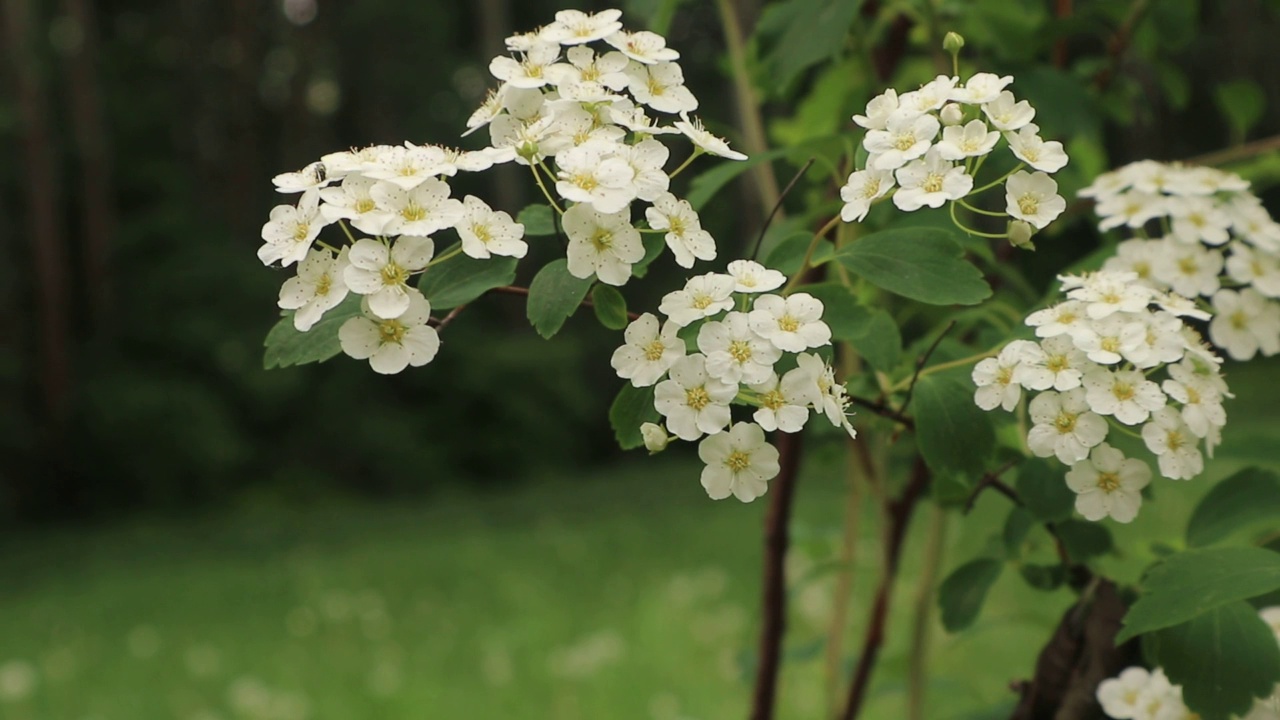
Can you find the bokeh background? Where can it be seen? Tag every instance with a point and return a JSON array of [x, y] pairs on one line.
[[185, 535]]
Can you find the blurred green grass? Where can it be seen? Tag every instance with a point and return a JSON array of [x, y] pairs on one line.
[[622, 594]]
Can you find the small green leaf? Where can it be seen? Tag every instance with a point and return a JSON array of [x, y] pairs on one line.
[[1083, 540], [1043, 488], [787, 256], [1248, 499], [1043, 577], [924, 264], [1194, 582], [610, 306], [459, 280], [1243, 103], [538, 220], [954, 435], [1016, 526], [812, 31], [653, 244], [872, 332], [705, 186], [632, 408], [961, 595], [554, 295], [285, 346], [1223, 659]]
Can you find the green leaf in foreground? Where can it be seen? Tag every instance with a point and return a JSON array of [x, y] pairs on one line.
[[787, 256], [1248, 499], [1223, 659], [632, 408], [922, 263], [610, 306], [285, 346], [954, 435], [1044, 490], [961, 595], [538, 220], [872, 332], [705, 186], [1084, 540], [1194, 582], [554, 295], [459, 280]]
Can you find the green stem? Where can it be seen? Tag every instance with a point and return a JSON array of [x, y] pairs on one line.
[[955, 220], [902, 385], [343, 224], [537, 177], [327, 246], [997, 181], [980, 211], [1123, 428], [696, 152], [808, 254], [451, 253]]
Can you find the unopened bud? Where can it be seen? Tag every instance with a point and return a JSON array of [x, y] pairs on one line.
[[953, 42], [951, 114], [528, 150], [1020, 232], [655, 437]]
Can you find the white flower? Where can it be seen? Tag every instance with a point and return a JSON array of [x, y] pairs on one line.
[[685, 236], [574, 27], [352, 201], [1169, 438], [1190, 270], [702, 297], [1255, 267], [382, 273], [693, 402], [1132, 208], [879, 110], [829, 397], [572, 125], [1199, 219], [1136, 256], [1200, 396], [290, 230], [1119, 696], [391, 345], [693, 129], [1107, 483], [661, 87], [1064, 426], [318, 287], [930, 181], [997, 378], [793, 323], [1008, 115], [863, 188], [420, 211], [1179, 306], [1245, 323], [648, 352], [735, 354], [655, 437], [486, 232], [1061, 319], [1033, 197], [931, 96], [971, 140], [1158, 341], [522, 140], [646, 159], [310, 177], [1062, 368], [739, 463], [784, 405], [408, 166], [1125, 394], [752, 277], [981, 88], [1034, 151], [1112, 339], [952, 114], [489, 109], [601, 244], [643, 46], [1108, 292], [530, 71], [905, 138], [593, 174]]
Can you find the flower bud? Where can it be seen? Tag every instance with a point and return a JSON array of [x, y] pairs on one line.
[[951, 114], [953, 42], [1020, 233], [655, 437]]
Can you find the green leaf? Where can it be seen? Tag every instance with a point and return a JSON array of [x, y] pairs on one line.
[[955, 436], [538, 220], [813, 31], [961, 595], [873, 333], [787, 256], [610, 306], [1043, 577], [554, 295], [1223, 659], [632, 408], [461, 279], [1043, 488], [1083, 540], [925, 264], [705, 186], [1194, 582], [653, 244], [1243, 103], [657, 13], [1250, 498], [285, 346], [1016, 526]]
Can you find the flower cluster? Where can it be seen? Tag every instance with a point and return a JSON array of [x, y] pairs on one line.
[[1200, 233], [743, 335], [562, 102], [926, 146], [1139, 694], [391, 201], [1094, 369]]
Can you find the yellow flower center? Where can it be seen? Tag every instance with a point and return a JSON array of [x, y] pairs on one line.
[[323, 285], [481, 231], [1239, 320], [773, 399], [675, 226], [364, 205], [1176, 440], [586, 181], [301, 231], [1004, 376], [1066, 317], [656, 88], [932, 183], [1065, 422], [871, 189], [602, 240], [1057, 363], [653, 351], [1188, 266], [1143, 269], [1029, 204], [413, 212], [904, 142], [1110, 344], [738, 461], [391, 331], [1108, 482], [740, 350], [786, 323], [697, 398], [1123, 391], [702, 301], [1193, 395], [393, 274]]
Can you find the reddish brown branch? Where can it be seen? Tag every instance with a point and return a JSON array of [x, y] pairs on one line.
[[1119, 43], [883, 410], [920, 363], [992, 480], [1063, 10], [774, 601], [899, 513]]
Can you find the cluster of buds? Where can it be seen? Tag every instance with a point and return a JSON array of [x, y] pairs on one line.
[[1202, 234], [742, 340], [1096, 368]]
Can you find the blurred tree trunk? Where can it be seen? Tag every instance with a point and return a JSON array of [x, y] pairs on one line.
[[44, 227], [245, 176], [493, 26], [90, 127]]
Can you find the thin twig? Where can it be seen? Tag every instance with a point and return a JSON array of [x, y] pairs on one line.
[[444, 322], [883, 410], [1239, 152], [755, 250], [774, 610], [1120, 43], [992, 480], [922, 361], [517, 290]]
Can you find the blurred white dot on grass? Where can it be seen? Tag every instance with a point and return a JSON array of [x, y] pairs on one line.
[[495, 664], [336, 606], [588, 656], [385, 678], [18, 680], [202, 660], [143, 642], [301, 622]]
